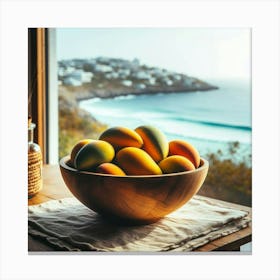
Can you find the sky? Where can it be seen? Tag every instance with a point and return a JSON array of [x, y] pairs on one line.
[[206, 53]]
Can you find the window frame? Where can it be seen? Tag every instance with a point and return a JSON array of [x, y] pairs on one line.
[[43, 90], [52, 128]]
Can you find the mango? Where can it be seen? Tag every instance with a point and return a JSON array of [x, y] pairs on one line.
[[185, 149], [175, 164], [120, 137], [155, 142], [93, 154], [77, 147], [135, 161], [69, 163], [110, 168]]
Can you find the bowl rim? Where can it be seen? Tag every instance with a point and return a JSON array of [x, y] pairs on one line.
[[62, 163]]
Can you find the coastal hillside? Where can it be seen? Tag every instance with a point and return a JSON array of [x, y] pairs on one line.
[[75, 123], [105, 77]]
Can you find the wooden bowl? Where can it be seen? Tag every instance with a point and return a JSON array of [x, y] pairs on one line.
[[133, 199]]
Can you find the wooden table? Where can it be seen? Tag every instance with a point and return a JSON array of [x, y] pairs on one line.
[[54, 188]]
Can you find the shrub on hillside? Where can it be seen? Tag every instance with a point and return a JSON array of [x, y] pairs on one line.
[[229, 177], [75, 124]]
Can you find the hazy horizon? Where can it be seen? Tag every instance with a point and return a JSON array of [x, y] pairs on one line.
[[205, 53]]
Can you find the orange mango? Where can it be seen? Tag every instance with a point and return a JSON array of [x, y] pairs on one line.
[[185, 149], [120, 137], [93, 154], [110, 168], [135, 161], [155, 142], [175, 164], [77, 147]]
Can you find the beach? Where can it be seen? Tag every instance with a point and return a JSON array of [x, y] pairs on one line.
[[208, 119]]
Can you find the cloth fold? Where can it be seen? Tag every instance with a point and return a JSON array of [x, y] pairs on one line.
[[70, 226]]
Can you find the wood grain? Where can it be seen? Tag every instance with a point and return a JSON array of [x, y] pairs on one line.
[[41, 90], [133, 199]]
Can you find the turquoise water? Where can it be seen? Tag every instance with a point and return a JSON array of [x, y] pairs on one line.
[[209, 119]]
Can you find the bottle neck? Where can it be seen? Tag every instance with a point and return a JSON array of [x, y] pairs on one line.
[[31, 132]]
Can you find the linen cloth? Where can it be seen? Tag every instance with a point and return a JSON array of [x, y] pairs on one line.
[[70, 226]]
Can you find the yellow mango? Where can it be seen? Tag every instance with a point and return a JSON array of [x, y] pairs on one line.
[[93, 154], [155, 142], [77, 147], [110, 168], [135, 161], [185, 149], [175, 164], [120, 137]]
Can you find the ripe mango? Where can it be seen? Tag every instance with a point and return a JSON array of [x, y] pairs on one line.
[[109, 168], [93, 154], [175, 164], [120, 137], [135, 161], [185, 149], [155, 142], [77, 147]]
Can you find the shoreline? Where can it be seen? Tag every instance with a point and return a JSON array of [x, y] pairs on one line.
[[91, 95]]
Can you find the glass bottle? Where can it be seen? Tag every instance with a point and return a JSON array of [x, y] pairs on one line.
[[35, 180]]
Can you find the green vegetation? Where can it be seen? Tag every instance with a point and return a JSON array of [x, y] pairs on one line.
[[75, 124], [229, 178]]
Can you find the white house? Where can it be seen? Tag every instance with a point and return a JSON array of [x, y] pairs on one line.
[[103, 68], [152, 81], [80, 75], [69, 81], [177, 77], [77, 78], [142, 75], [168, 82], [123, 73], [157, 72], [113, 75], [66, 71], [140, 86], [127, 83]]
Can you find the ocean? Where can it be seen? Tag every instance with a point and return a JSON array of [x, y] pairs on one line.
[[210, 120]]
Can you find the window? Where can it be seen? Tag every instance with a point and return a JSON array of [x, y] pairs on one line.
[[125, 76]]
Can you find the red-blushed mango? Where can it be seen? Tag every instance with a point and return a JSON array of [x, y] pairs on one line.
[[110, 168], [121, 137], [185, 149], [135, 161], [77, 148], [93, 154], [175, 164], [155, 142]]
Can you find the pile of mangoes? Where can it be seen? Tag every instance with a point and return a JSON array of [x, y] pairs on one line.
[[144, 151]]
